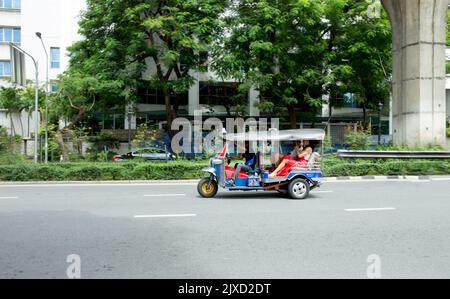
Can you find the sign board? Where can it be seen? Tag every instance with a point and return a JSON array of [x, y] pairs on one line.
[[18, 67]]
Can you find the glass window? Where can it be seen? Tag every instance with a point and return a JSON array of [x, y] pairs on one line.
[[54, 87], [7, 34], [17, 35], [7, 3], [10, 4], [5, 68], [55, 54]]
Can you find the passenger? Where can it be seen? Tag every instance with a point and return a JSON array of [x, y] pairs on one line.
[[249, 165], [289, 163]]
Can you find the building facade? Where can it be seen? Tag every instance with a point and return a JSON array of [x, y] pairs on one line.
[[20, 20]]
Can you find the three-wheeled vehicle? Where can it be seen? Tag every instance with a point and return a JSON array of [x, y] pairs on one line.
[[297, 184]]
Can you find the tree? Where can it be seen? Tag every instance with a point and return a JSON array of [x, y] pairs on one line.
[[11, 101], [296, 51], [159, 41], [361, 53], [279, 47]]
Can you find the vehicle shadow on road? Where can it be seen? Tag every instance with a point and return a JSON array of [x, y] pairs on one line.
[[259, 196]]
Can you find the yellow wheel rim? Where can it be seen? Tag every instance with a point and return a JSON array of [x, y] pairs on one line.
[[207, 190]]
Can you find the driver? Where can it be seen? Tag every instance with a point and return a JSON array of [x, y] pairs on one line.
[[249, 165]]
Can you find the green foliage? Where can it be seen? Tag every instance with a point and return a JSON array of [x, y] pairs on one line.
[[327, 144], [361, 62], [179, 170], [292, 49], [386, 167], [4, 140], [120, 37], [102, 171], [357, 140], [144, 136], [407, 148], [276, 46]]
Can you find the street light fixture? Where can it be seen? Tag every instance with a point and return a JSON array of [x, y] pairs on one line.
[[130, 113], [39, 35]]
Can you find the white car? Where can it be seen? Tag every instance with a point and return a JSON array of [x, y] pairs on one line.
[[151, 153]]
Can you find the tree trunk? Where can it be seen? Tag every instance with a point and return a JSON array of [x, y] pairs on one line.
[[364, 116], [228, 109], [169, 112], [59, 133], [13, 129], [21, 123], [292, 116]]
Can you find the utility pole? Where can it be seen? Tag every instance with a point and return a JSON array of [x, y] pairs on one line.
[[39, 35]]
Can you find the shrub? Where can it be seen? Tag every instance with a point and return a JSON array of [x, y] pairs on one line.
[[357, 140], [179, 170]]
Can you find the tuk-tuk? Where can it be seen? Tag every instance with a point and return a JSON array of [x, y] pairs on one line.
[[297, 183]]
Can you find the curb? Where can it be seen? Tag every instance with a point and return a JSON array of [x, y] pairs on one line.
[[377, 178], [181, 182]]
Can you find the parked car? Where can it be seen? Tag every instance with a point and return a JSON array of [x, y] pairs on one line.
[[151, 153]]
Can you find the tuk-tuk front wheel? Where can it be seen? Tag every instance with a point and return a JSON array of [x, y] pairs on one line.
[[207, 188], [299, 189]]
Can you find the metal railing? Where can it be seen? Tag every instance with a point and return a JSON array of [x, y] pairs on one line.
[[394, 154]]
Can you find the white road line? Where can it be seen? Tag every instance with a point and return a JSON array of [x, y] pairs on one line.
[[165, 216], [322, 191], [440, 179], [164, 195], [370, 209], [9, 197]]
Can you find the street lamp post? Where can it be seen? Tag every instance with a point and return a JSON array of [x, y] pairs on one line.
[[36, 104], [39, 35], [130, 114], [380, 108]]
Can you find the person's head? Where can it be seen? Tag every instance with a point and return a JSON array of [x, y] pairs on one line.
[[308, 148]]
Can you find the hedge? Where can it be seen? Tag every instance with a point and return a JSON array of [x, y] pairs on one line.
[[179, 170], [101, 171]]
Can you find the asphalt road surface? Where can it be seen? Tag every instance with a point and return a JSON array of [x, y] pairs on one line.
[[168, 231]]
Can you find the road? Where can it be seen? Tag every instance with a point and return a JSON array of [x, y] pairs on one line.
[[168, 231]]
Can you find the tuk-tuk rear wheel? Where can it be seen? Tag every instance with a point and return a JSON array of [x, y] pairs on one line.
[[207, 188], [299, 189]]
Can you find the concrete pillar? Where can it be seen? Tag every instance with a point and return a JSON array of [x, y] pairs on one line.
[[253, 101], [419, 28], [194, 95]]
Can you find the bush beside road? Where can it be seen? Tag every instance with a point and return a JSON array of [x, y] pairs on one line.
[[183, 170]]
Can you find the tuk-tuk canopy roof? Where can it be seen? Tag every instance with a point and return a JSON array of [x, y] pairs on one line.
[[276, 135]]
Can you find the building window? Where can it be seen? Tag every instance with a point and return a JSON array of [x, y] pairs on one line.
[[5, 68], [55, 54], [8, 34], [10, 4], [54, 87], [156, 97], [216, 94]]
